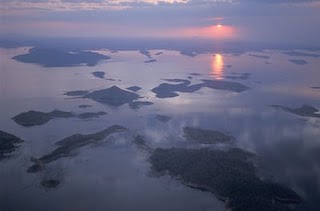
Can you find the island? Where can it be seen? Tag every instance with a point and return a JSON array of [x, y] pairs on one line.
[[145, 52], [32, 118], [85, 106], [138, 104], [89, 115], [134, 88], [67, 145], [8, 144], [298, 61], [304, 110], [163, 118], [50, 57], [76, 93], [206, 136], [229, 175], [98, 74], [166, 90], [260, 56], [150, 61], [113, 96]]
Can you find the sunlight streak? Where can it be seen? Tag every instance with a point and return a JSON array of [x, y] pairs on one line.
[[217, 66]]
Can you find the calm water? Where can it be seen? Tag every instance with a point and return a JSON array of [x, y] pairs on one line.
[[115, 175]]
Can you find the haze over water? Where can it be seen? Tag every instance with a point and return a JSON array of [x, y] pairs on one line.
[[185, 75]]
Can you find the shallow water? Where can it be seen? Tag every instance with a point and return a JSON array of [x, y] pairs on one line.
[[115, 175]]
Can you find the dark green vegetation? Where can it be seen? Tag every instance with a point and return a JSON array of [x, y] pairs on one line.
[[32, 118], [298, 61], [113, 96], [166, 90], [137, 104], [98, 74], [134, 88], [67, 145], [60, 58], [8, 143], [206, 136], [76, 93], [230, 175], [163, 118], [50, 183], [305, 110]]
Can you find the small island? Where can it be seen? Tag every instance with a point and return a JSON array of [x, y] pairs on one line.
[[98, 74], [163, 118], [206, 136], [85, 106], [134, 88], [89, 115], [113, 96], [138, 104], [298, 61], [259, 56], [67, 145], [76, 93], [150, 61], [304, 110]]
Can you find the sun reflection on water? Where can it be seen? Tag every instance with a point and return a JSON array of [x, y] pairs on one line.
[[217, 66]]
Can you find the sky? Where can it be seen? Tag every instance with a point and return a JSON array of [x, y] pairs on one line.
[[292, 21]]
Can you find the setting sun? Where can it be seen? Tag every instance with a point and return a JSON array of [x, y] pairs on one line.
[[219, 25]]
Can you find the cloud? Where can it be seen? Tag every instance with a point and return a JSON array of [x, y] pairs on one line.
[[254, 20], [83, 1]]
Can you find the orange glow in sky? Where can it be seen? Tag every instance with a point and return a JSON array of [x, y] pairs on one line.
[[217, 66], [215, 32]]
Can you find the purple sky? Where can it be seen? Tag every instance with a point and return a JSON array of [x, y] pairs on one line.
[[292, 21]]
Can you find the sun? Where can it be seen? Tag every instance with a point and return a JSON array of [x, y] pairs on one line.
[[219, 25]]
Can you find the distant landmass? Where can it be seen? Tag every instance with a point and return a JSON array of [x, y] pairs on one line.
[[47, 57], [166, 90], [304, 110], [188, 47], [32, 118]]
